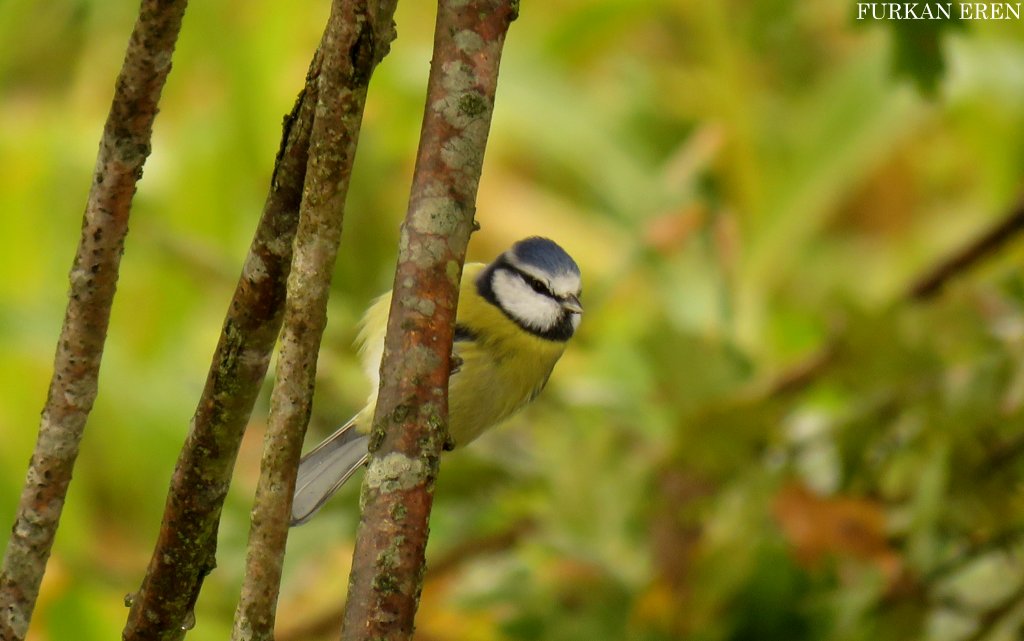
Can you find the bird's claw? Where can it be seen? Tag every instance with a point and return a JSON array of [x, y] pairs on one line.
[[456, 364]]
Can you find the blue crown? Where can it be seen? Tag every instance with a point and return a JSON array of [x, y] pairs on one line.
[[544, 254]]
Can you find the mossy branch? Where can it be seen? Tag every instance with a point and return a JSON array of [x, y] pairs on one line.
[[124, 146], [186, 545], [358, 35], [412, 411]]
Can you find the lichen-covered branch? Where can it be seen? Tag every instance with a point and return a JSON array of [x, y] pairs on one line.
[[186, 545], [410, 424], [358, 36], [124, 146]]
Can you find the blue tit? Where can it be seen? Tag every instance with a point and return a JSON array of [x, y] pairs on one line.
[[515, 316]]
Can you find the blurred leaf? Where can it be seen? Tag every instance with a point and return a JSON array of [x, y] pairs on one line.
[[918, 53]]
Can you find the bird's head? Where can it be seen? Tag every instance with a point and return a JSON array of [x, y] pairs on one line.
[[536, 284]]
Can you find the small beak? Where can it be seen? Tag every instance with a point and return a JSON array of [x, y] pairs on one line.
[[572, 304]]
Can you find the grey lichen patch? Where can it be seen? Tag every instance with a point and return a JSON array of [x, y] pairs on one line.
[[279, 245], [468, 41], [255, 269], [457, 242], [423, 358], [424, 306], [464, 153], [429, 251], [462, 107], [457, 77], [395, 472], [434, 189], [436, 215]]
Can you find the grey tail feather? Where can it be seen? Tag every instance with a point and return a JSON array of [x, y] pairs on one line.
[[326, 468]]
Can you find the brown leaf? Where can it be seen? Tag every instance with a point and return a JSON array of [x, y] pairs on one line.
[[819, 528]]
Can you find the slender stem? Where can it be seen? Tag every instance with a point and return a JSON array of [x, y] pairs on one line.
[[964, 258], [186, 545], [412, 411], [124, 146], [926, 286], [356, 39]]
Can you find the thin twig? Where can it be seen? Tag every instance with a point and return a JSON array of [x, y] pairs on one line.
[[186, 545], [357, 37], [993, 239], [123, 150], [412, 410], [1004, 540], [923, 288], [991, 617]]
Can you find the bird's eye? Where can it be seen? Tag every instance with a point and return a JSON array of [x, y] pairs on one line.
[[537, 286]]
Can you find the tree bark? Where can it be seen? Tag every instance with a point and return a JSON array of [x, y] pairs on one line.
[[186, 545], [124, 146], [358, 36], [410, 426]]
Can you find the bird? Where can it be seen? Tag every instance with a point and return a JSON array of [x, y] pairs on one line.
[[515, 316]]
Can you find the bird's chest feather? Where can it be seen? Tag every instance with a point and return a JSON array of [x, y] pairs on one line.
[[503, 368]]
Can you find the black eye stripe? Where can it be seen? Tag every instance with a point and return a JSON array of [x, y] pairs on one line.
[[535, 284]]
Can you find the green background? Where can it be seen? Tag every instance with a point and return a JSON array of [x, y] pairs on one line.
[[743, 184]]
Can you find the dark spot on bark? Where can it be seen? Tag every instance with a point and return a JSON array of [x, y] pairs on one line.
[[472, 104], [361, 55], [385, 583]]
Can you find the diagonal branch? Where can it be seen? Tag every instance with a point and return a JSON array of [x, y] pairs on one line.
[[923, 288], [412, 411], [186, 545], [964, 258], [358, 36], [123, 150]]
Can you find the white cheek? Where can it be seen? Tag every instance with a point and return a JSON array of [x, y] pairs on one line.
[[519, 300]]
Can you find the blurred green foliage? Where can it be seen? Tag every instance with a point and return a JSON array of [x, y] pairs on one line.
[[746, 185]]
